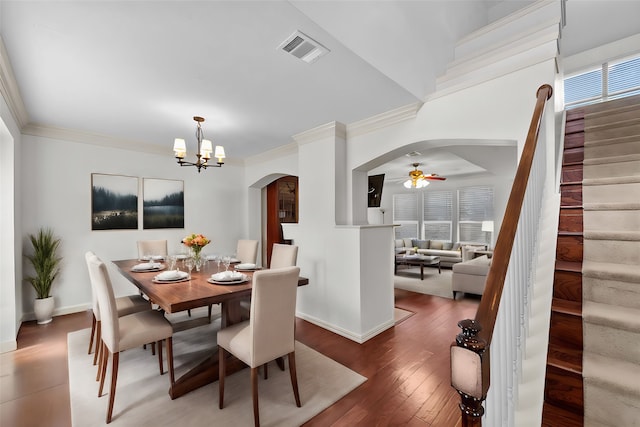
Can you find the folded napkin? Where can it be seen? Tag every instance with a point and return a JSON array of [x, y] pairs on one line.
[[146, 266], [227, 276], [246, 266], [172, 275], [152, 258]]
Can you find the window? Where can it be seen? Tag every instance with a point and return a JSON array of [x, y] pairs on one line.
[[609, 81], [437, 209], [405, 213], [475, 204]]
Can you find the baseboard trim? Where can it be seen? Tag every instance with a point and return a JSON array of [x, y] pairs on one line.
[[26, 317], [359, 338]]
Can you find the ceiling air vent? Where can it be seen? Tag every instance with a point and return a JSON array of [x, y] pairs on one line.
[[303, 47]]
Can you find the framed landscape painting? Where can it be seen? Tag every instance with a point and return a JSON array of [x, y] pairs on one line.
[[114, 202], [163, 203]]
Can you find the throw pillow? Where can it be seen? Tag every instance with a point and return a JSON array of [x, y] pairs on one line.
[[434, 244], [407, 243], [446, 246], [423, 244], [455, 247]]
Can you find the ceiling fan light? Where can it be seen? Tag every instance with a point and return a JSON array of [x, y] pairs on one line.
[[408, 184]]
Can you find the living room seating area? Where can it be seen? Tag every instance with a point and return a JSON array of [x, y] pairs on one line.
[[450, 253]]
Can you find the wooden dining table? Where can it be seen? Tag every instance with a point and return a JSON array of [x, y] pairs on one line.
[[194, 293]]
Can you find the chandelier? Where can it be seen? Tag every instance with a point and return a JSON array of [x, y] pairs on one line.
[[204, 150]]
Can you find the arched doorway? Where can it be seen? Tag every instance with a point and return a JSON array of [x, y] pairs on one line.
[[282, 207]]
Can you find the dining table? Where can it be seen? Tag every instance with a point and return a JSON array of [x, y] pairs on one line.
[[194, 292]]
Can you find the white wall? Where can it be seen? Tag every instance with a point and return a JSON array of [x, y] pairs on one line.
[[10, 247], [56, 183]]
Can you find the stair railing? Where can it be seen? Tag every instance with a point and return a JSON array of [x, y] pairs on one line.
[[470, 353]]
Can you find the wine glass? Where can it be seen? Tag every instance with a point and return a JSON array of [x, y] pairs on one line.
[[218, 261], [189, 263], [226, 260]]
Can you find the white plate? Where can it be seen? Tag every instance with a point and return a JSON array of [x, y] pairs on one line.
[[136, 270], [238, 268], [181, 275], [232, 277], [181, 256], [227, 282], [186, 279]]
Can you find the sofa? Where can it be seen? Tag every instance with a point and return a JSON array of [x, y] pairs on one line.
[[470, 276], [450, 253]]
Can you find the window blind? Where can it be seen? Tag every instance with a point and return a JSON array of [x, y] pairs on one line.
[[610, 81], [475, 204], [405, 207], [624, 77], [437, 215]]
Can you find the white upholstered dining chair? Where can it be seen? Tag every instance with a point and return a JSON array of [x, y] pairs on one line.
[[283, 256], [268, 334], [152, 247], [126, 332], [247, 251], [127, 304]]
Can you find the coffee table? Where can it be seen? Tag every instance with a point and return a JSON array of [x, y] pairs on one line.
[[420, 260]]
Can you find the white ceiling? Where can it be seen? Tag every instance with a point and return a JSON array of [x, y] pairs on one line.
[[138, 71]]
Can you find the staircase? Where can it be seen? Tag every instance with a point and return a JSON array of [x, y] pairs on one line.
[[594, 342], [563, 396], [611, 267]]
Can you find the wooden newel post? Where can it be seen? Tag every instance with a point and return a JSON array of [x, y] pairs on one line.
[[470, 372]]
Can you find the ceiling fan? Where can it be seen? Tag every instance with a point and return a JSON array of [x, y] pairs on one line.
[[417, 179]]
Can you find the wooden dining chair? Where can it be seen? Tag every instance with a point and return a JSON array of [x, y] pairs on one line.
[[126, 332], [152, 247], [269, 332], [247, 251], [127, 304], [283, 255]]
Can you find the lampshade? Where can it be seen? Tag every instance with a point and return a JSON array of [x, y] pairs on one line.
[[219, 154], [179, 147], [206, 149], [487, 226]]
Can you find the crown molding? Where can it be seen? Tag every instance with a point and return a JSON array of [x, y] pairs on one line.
[[90, 138], [103, 141], [9, 89], [273, 154], [383, 120], [328, 130]]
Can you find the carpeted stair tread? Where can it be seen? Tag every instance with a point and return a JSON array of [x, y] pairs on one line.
[[612, 159], [611, 373], [610, 206], [633, 236], [616, 114], [624, 318], [630, 179], [608, 147], [611, 271], [614, 292], [628, 119], [601, 220]]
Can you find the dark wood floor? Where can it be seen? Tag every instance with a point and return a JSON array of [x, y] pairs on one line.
[[407, 368]]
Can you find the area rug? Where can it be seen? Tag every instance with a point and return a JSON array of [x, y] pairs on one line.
[[142, 394], [433, 283], [400, 314]]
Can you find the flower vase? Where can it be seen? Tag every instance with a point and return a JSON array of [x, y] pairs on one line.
[[197, 259]]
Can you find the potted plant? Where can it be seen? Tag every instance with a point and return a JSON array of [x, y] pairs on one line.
[[46, 264]]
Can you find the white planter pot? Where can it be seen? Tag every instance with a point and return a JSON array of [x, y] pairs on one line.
[[43, 308]]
